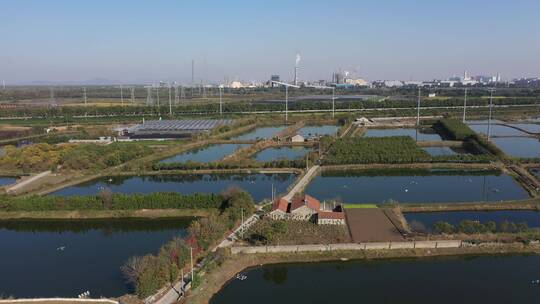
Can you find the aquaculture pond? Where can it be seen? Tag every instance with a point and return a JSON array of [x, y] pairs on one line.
[[317, 131], [425, 221], [290, 153], [7, 180], [66, 258], [511, 141], [206, 154], [468, 280], [260, 133], [258, 185], [422, 134], [415, 186]]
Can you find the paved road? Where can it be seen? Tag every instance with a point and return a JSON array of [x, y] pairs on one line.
[[302, 183]]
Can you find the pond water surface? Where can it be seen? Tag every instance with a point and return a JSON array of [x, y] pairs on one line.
[[258, 185], [206, 154], [471, 280], [67, 258], [317, 131], [260, 133], [422, 187], [7, 180]]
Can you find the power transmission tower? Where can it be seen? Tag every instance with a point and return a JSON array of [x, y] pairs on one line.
[[132, 95], [157, 96], [170, 101]]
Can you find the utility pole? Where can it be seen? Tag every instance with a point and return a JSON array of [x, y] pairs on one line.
[[170, 101], [333, 102], [418, 110], [132, 95], [122, 95], [242, 225], [191, 257], [490, 113], [176, 99], [84, 97], [157, 96], [148, 96], [465, 105], [286, 96], [220, 101]]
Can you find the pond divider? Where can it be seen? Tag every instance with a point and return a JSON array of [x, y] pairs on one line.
[[350, 246]]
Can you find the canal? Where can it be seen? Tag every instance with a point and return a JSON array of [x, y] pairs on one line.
[[48, 258], [207, 154], [258, 185], [415, 186], [487, 279], [425, 221]]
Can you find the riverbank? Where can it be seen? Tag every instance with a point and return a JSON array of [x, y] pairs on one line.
[[104, 214], [214, 281]]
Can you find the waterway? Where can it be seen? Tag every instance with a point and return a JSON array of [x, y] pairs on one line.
[[67, 258], [260, 133], [415, 186], [487, 279], [423, 134], [258, 185], [290, 153], [207, 154], [425, 221]]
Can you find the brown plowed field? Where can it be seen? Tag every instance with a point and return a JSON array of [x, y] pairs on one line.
[[371, 225]]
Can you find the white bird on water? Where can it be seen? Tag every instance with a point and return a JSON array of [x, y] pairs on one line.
[[61, 248]]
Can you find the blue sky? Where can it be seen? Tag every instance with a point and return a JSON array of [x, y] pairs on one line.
[[143, 40]]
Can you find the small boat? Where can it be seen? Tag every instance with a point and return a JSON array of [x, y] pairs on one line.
[[241, 277], [61, 248]]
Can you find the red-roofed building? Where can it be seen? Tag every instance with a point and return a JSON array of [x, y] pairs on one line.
[[304, 207], [331, 218], [279, 209]]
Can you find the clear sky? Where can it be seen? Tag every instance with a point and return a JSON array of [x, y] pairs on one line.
[[143, 40]]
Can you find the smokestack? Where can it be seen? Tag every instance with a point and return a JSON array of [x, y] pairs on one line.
[[296, 65]]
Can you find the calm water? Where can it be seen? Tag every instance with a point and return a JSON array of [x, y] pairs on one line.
[[258, 185], [422, 135], [316, 131], [354, 187], [6, 180], [205, 155], [488, 279], [272, 154], [260, 133], [519, 146], [496, 130], [513, 146], [32, 265], [422, 221], [434, 151]]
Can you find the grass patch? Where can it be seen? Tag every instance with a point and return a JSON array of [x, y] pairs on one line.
[[360, 206]]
